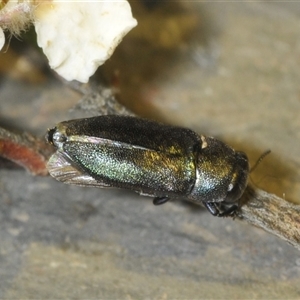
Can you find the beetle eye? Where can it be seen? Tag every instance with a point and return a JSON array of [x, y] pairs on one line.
[[236, 187], [238, 181], [230, 187]]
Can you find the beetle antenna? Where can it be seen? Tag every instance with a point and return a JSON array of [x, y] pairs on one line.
[[259, 160]]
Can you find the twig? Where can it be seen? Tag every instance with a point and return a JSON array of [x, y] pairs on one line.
[[273, 214], [25, 150], [98, 100], [259, 208]]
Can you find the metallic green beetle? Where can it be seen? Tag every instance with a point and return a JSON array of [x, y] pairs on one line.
[[150, 158]]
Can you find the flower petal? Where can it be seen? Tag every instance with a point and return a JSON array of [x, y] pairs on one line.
[[78, 37], [2, 39]]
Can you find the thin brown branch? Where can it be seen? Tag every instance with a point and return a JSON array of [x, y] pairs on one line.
[[98, 100], [259, 208], [273, 214], [25, 150]]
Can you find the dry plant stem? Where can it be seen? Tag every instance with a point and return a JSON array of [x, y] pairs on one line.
[[98, 100], [273, 214], [266, 211], [26, 150], [259, 208]]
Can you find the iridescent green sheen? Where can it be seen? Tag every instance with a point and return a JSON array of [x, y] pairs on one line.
[[150, 158]]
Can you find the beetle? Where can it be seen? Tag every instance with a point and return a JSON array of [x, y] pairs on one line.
[[151, 158]]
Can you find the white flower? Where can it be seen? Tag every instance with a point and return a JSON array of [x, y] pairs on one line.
[[2, 38], [15, 17], [79, 36]]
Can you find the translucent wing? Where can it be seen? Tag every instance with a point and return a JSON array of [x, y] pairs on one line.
[[63, 170]]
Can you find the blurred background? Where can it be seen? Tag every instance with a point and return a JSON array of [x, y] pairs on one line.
[[229, 70]]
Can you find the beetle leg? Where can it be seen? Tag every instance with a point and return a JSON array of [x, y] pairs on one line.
[[212, 208], [160, 200], [215, 209], [229, 212]]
